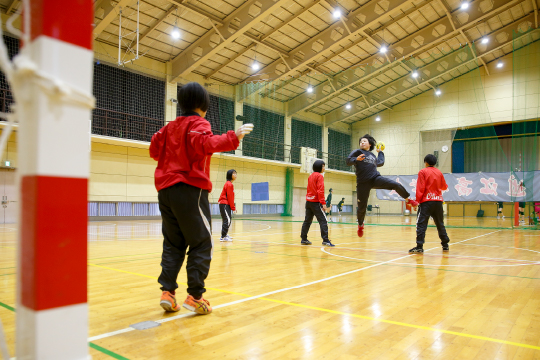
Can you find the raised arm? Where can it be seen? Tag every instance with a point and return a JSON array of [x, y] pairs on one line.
[[380, 159], [205, 143], [351, 159]]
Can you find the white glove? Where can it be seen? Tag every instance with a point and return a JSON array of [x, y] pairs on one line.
[[243, 131]]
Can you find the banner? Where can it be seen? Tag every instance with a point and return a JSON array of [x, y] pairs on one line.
[[506, 187]]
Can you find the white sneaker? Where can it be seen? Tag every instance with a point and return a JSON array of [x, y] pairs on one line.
[[228, 238], [503, 216], [223, 239]]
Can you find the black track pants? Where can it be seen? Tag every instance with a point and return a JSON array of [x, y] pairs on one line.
[[185, 212], [226, 216], [378, 182], [426, 210], [315, 209]]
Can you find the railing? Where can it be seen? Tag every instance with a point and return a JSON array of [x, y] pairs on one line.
[[123, 125], [6, 99], [272, 150], [128, 126]]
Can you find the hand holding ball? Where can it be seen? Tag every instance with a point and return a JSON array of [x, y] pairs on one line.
[[243, 131], [380, 146]]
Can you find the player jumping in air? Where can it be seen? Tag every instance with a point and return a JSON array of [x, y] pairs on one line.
[[367, 177]]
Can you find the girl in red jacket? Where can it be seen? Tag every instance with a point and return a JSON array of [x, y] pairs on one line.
[[183, 149], [316, 204], [429, 188], [226, 205]]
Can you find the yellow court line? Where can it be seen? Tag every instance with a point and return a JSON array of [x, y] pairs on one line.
[[353, 315]]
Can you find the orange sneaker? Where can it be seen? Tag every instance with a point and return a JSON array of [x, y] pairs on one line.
[[168, 302], [201, 306]]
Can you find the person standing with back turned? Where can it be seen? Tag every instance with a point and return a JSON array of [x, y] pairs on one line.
[[183, 149], [429, 188]]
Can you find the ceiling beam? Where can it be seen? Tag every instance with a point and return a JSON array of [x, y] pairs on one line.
[[231, 59], [420, 41], [263, 38], [157, 23], [432, 71], [333, 37], [11, 6], [110, 12], [246, 16]]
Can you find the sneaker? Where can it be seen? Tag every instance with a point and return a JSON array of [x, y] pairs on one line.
[[168, 302], [228, 238], [305, 242], [201, 306], [223, 239], [445, 247], [503, 217], [327, 243], [360, 231], [417, 249], [413, 203]]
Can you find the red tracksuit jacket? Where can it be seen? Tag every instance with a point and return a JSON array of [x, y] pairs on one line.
[[227, 195], [183, 149], [315, 188], [430, 185]]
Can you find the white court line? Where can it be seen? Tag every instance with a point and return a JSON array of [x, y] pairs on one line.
[[531, 262], [106, 335]]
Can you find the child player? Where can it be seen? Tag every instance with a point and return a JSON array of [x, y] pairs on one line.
[[226, 205], [183, 149], [367, 177], [315, 204], [500, 210], [329, 205], [340, 206], [429, 188]]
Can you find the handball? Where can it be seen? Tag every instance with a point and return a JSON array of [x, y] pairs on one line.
[[380, 146]]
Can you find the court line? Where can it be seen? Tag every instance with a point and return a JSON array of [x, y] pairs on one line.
[[397, 265], [264, 297], [93, 346], [412, 225]]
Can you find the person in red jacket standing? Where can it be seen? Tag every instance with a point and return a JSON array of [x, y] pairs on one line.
[[429, 187], [183, 149], [226, 205], [316, 204]]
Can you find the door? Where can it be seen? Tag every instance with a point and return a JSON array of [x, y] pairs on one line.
[[8, 213], [299, 202]]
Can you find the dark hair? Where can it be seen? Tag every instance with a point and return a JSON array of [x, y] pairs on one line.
[[342, 198], [371, 139], [229, 174], [330, 189], [193, 96], [430, 159], [317, 165]]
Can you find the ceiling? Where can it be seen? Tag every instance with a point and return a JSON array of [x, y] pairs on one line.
[[304, 43]]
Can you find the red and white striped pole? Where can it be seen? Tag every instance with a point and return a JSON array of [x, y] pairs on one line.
[[53, 145]]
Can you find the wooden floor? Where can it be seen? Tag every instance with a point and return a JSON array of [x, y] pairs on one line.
[[274, 299]]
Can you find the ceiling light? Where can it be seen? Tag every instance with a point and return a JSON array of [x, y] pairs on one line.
[[378, 118], [415, 74], [485, 40], [438, 92], [348, 106], [383, 49], [175, 33], [337, 14], [310, 89], [464, 5], [500, 64], [255, 66]]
